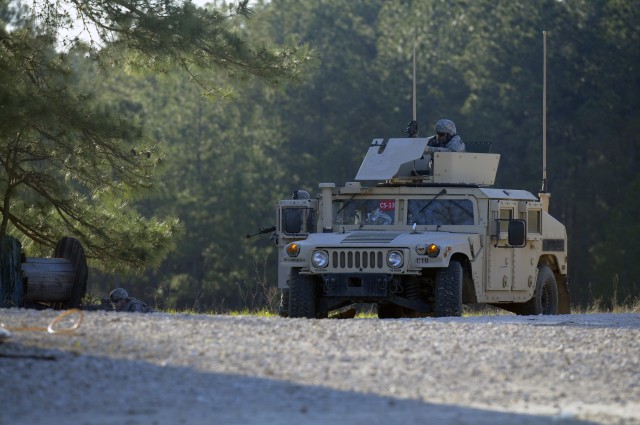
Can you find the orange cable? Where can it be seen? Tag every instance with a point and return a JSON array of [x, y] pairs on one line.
[[51, 328]]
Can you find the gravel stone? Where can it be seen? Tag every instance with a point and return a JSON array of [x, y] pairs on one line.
[[160, 368]]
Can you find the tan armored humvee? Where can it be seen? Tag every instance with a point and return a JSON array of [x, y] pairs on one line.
[[421, 236]]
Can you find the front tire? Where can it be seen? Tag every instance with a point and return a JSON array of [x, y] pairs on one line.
[[448, 294], [302, 295], [389, 311]]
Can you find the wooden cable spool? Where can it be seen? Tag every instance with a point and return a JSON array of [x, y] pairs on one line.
[[60, 281], [71, 249]]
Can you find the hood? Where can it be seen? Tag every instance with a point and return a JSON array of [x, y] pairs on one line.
[[382, 238]]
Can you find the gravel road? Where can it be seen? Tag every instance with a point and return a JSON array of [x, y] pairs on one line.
[[129, 368]]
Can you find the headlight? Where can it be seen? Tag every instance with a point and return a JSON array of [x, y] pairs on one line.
[[293, 250], [394, 259], [320, 259]]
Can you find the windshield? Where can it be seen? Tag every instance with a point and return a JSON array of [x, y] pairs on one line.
[[364, 211], [382, 211], [440, 212]]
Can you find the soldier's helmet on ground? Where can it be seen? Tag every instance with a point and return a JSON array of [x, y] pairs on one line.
[[446, 126], [118, 294]]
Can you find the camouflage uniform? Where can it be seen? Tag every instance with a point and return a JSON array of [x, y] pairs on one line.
[[137, 306], [452, 142], [132, 304]]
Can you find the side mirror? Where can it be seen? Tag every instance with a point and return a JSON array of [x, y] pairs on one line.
[[516, 233]]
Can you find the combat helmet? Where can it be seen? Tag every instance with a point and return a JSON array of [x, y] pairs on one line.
[[118, 294], [446, 126]]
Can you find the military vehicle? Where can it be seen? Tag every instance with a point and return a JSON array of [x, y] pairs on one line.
[[423, 238], [419, 234]]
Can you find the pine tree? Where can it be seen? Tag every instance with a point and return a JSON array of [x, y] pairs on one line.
[[70, 166]]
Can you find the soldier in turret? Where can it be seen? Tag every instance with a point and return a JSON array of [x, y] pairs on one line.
[[121, 302], [446, 139]]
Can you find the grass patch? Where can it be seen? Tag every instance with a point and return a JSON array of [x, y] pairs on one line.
[[630, 305], [369, 311], [365, 311], [263, 312]]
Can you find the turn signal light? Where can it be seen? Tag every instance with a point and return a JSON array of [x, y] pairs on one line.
[[293, 250], [433, 250]]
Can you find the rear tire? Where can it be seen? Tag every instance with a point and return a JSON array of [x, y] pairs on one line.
[[545, 296], [448, 294], [302, 295]]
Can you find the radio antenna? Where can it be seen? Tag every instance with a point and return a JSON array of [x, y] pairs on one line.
[[544, 194], [414, 78], [412, 128]]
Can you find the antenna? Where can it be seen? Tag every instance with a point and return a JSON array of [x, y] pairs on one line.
[[414, 78], [544, 195], [412, 128]]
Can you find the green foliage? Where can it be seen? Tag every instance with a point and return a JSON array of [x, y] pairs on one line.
[[160, 36], [220, 178], [73, 166], [340, 108], [479, 63], [67, 163]]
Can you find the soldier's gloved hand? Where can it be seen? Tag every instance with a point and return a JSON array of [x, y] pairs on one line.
[[428, 149]]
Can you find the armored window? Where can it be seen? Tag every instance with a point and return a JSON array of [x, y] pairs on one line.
[[505, 215], [534, 221], [296, 220], [440, 212]]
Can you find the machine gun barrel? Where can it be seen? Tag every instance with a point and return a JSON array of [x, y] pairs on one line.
[[105, 305], [262, 231]]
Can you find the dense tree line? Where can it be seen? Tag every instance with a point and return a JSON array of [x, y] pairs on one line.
[[224, 161]]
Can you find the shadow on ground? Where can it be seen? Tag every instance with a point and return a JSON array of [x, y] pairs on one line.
[[53, 386]]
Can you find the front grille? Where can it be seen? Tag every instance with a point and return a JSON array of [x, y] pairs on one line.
[[357, 260], [362, 260]]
